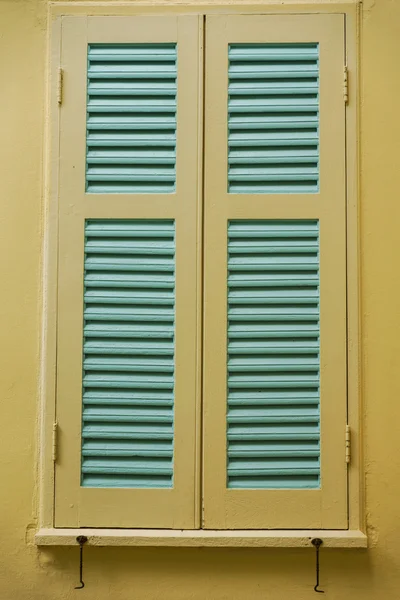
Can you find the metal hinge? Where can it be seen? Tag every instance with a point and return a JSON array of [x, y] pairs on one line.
[[348, 444], [55, 440], [60, 86], [346, 84]]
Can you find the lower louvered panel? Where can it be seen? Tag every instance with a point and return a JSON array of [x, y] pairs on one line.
[[273, 354], [128, 383]]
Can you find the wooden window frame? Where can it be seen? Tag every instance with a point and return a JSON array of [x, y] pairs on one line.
[[354, 536]]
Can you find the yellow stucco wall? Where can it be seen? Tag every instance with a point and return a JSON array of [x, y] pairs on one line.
[[175, 574]]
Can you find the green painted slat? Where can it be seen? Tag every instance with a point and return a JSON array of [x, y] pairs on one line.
[[128, 354], [131, 118], [273, 400], [131, 398], [273, 118]]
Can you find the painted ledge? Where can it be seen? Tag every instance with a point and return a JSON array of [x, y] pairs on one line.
[[201, 538]]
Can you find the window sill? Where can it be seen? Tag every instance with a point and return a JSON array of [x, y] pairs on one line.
[[275, 538]]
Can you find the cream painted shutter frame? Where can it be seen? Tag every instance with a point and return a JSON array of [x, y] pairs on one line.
[[275, 273], [127, 337]]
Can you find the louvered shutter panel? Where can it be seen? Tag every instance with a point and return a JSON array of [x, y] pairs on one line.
[[273, 354], [127, 379], [131, 121], [273, 118], [128, 352], [275, 273]]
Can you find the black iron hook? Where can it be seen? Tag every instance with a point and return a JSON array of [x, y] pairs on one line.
[[81, 539], [317, 542]]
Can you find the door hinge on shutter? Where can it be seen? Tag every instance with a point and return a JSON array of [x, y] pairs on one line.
[[348, 444], [346, 84], [60, 86], [202, 512], [55, 440]]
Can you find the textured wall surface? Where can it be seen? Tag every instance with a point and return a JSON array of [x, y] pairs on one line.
[[27, 573]]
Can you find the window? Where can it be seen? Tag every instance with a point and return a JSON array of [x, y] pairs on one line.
[[201, 329]]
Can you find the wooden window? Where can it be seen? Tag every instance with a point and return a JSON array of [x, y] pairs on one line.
[[259, 442]]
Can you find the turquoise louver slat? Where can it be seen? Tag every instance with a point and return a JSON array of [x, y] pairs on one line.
[[131, 118], [128, 354], [273, 354], [273, 118]]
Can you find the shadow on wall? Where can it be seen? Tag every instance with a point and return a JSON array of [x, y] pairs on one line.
[[214, 574]]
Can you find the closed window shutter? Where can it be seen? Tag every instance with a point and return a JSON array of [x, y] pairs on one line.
[[128, 278], [275, 269]]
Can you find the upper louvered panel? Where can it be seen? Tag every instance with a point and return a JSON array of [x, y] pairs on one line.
[[273, 118], [128, 385], [273, 354], [131, 118]]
